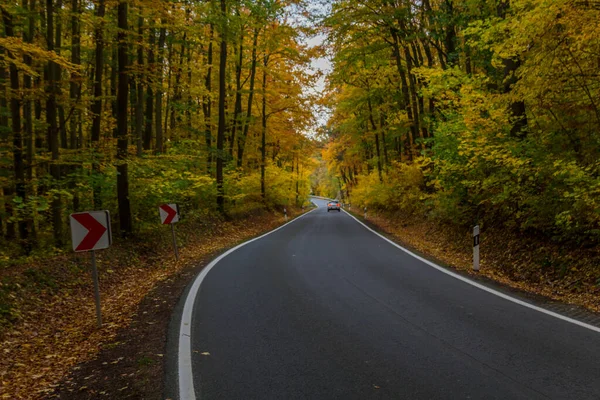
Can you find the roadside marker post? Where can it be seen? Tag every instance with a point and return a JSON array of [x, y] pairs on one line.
[[285, 213], [90, 231], [365, 212], [169, 215], [476, 248]]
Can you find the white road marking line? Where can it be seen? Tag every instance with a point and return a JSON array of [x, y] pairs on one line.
[[186, 378], [480, 286]]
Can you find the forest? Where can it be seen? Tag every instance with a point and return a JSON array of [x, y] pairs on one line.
[[125, 105], [468, 112], [435, 116]]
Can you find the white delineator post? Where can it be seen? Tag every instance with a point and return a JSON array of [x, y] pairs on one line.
[[285, 213], [365, 212], [476, 248]]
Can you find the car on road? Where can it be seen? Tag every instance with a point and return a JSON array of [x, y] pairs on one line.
[[333, 205]]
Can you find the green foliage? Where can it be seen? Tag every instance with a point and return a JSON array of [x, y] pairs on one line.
[[402, 189]]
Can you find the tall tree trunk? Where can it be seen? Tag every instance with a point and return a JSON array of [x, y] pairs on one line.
[[62, 126], [159, 90], [139, 99], [222, 100], [263, 140], [74, 92], [177, 89], [248, 119], [207, 103], [405, 92], [28, 35], [413, 94], [4, 138], [96, 107], [511, 65], [237, 109], [150, 91], [75, 88], [15, 114], [56, 204], [122, 142], [379, 171]]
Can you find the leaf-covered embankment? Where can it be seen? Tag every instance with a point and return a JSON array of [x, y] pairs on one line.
[[51, 301]]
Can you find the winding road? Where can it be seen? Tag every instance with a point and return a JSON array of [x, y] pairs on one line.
[[324, 308]]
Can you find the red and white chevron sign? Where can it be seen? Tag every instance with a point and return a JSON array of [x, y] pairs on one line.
[[90, 230], [169, 213]]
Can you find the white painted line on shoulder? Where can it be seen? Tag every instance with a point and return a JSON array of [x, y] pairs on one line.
[[480, 286], [186, 378]]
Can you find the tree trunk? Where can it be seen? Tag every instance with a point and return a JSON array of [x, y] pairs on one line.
[[139, 98], [122, 142], [405, 92], [263, 141], [177, 90], [207, 103], [62, 126], [237, 109], [96, 107], [248, 119], [150, 91], [56, 203], [376, 140], [15, 114], [222, 100], [75, 88], [159, 91]]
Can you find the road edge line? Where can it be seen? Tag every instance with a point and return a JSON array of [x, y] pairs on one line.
[[480, 286], [184, 356]]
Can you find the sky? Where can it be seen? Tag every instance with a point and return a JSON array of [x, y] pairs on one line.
[[322, 64]]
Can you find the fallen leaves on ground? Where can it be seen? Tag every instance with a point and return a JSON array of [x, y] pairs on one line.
[[57, 328]]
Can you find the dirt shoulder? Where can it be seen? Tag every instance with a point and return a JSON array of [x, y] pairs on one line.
[[55, 350], [530, 264]]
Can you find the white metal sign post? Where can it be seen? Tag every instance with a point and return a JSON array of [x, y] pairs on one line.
[[476, 248], [90, 231], [169, 214]]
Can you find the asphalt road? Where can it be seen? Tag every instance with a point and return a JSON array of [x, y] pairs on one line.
[[325, 309]]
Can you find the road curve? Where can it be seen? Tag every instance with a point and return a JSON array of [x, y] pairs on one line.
[[325, 309]]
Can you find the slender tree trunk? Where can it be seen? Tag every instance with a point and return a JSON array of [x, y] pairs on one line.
[[159, 91], [96, 107], [379, 170], [62, 126], [207, 104], [4, 138], [56, 203], [150, 90], [75, 88], [122, 142], [405, 92], [248, 119], [139, 98], [15, 114], [28, 35], [222, 100], [237, 109], [177, 89], [263, 141]]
